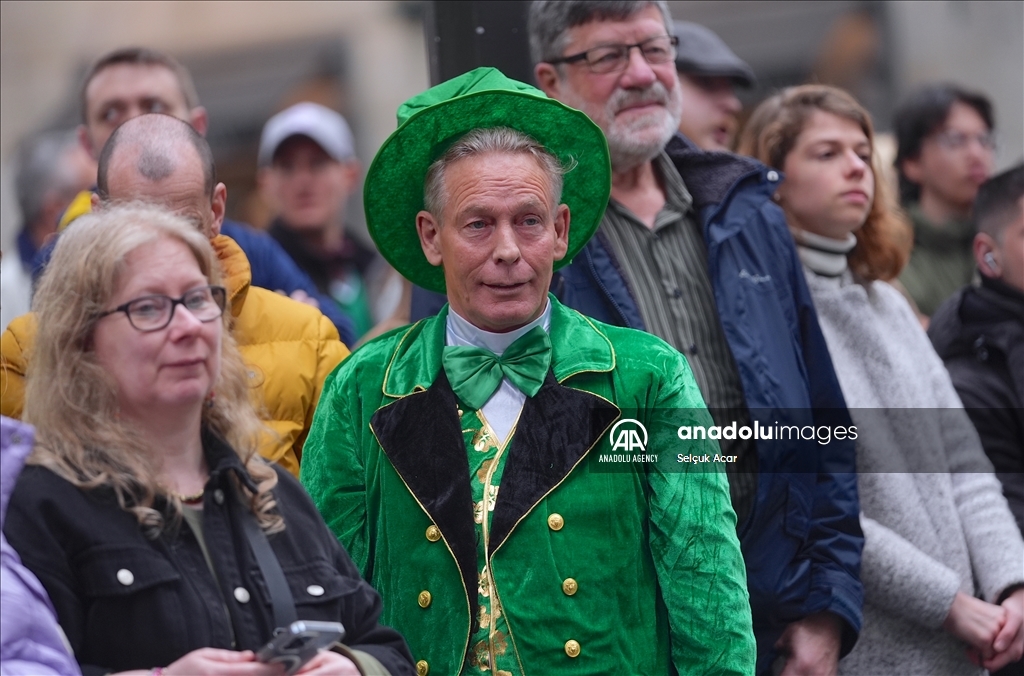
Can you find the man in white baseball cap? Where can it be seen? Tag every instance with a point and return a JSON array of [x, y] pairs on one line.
[[320, 124], [307, 172]]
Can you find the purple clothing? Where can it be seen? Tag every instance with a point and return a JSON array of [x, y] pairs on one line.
[[31, 642]]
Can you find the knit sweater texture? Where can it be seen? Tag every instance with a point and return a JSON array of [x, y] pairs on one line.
[[935, 521]]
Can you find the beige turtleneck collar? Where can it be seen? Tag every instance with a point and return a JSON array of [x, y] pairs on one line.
[[824, 255]]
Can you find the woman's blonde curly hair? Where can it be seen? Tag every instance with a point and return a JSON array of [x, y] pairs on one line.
[[72, 401]]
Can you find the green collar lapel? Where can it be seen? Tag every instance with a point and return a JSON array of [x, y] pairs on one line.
[[416, 361], [578, 346]]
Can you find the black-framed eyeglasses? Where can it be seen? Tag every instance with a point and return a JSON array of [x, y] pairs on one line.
[[152, 313], [613, 58]]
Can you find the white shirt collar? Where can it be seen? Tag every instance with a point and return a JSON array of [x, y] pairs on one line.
[[459, 331]]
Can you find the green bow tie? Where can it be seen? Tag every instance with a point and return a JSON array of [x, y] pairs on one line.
[[475, 373]]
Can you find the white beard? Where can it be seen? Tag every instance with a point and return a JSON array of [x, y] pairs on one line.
[[639, 140]]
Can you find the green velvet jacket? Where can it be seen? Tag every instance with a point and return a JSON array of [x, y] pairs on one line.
[[661, 585]]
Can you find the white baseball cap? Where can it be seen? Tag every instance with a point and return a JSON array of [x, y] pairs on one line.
[[326, 127]]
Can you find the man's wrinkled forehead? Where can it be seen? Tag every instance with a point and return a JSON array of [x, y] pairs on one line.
[[523, 185]]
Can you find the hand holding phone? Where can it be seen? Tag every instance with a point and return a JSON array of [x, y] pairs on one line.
[[294, 646]]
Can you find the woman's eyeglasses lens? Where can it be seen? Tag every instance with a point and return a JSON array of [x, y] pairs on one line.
[[153, 313]]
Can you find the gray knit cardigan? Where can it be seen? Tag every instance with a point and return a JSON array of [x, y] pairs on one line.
[[935, 521]]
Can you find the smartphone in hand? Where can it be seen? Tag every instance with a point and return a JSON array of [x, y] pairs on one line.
[[298, 643]]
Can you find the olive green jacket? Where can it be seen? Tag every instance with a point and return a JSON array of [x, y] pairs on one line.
[[651, 545], [941, 262]]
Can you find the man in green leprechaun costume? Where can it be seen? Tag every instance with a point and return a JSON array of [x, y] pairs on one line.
[[468, 463]]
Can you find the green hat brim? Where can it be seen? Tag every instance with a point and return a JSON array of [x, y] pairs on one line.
[[393, 191]]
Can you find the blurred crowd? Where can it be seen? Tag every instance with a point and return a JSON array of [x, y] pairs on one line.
[[197, 477]]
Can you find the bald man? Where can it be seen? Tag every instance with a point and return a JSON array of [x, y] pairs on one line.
[[289, 347], [133, 81]]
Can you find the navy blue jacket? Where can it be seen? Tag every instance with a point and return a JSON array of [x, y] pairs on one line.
[[274, 269], [271, 267], [802, 541]]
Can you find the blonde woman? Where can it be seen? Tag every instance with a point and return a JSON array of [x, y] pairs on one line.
[[942, 557], [139, 507]]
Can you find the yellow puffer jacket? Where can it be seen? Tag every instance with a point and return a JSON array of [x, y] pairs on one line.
[[289, 347]]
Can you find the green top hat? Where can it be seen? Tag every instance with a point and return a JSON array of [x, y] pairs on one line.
[[429, 123]]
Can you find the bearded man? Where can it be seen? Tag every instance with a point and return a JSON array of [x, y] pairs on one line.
[[693, 249], [467, 462]]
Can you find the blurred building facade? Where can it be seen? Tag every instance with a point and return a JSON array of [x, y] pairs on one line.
[[251, 59]]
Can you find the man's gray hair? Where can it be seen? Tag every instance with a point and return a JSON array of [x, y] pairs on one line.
[[483, 141], [550, 20], [42, 168]]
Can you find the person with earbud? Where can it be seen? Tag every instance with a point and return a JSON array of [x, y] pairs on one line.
[[941, 566], [979, 332]]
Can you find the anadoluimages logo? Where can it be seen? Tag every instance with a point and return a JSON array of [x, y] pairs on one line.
[[628, 435]]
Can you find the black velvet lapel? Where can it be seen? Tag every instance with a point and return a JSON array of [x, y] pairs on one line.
[[555, 430], [422, 436]]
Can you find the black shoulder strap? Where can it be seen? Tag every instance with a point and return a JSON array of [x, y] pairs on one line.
[[280, 594]]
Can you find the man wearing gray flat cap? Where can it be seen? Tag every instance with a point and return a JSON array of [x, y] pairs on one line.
[[709, 72]]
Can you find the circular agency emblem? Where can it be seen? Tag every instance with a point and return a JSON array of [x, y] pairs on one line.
[[628, 435]]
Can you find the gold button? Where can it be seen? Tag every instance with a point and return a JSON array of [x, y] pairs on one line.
[[433, 533], [424, 599], [572, 648], [555, 522], [422, 668], [569, 586]]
